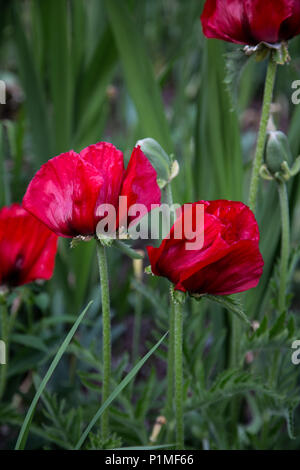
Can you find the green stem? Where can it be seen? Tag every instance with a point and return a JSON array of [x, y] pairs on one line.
[[137, 326], [284, 263], [235, 326], [4, 338], [170, 371], [106, 332], [234, 362], [268, 95], [178, 376], [285, 245], [169, 194]]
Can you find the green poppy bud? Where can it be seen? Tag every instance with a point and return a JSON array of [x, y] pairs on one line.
[[157, 156], [277, 151]]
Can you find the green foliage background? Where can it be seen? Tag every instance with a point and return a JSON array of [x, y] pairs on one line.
[[81, 71]]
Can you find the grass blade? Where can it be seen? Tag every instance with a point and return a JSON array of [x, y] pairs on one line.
[[116, 392], [22, 438], [60, 73], [35, 99], [136, 63]]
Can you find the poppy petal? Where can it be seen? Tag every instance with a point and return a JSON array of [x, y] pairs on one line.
[[139, 186], [250, 21], [109, 161], [63, 195], [239, 270], [27, 247]]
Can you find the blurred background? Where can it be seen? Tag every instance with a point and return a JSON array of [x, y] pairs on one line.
[[82, 71]]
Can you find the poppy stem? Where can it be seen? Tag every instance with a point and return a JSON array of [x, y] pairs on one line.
[[258, 160], [178, 363], [4, 338], [170, 371], [285, 245], [106, 334], [137, 327], [284, 264]]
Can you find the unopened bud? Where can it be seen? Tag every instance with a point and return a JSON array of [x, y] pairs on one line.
[[157, 156], [277, 151]]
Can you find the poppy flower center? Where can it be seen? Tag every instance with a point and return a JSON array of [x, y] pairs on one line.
[[13, 278]]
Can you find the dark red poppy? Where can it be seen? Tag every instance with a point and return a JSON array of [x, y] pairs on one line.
[[27, 248], [251, 21], [68, 190], [229, 260]]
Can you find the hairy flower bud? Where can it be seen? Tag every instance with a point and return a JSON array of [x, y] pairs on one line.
[[277, 151]]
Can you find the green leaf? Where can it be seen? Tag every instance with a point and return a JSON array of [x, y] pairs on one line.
[[157, 156], [127, 250], [235, 62], [291, 327], [231, 304], [235, 382], [34, 93], [289, 414], [152, 296], [60, 73], [279, 326], [165, 446], [30, 341], [139, 73], [117, 391], [263, 327], [22, 438], [92, 91]]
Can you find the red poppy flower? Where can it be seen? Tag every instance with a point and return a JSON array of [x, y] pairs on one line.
[[251, 21], [229, 260], [68, 190], [27, 248]]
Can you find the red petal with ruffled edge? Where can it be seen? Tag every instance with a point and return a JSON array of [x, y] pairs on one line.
[[238, 220], [265, 18], [139, 186], [226, 20], [291, 26], [172, 258], [63, 194], [229, 260], [109, 161], [250, 21], [27, 248], [238, 269], [67, 192]]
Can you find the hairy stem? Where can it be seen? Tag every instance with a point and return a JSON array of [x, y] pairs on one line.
[[106, 332], [285, 245], [258, 160], [284, 262], [178, 364], [137, 326], [170, 371]]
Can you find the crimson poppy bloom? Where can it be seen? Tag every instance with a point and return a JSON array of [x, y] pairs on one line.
[[251, 21], [27, 248], [229, 260], [68, 190]]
